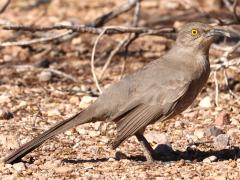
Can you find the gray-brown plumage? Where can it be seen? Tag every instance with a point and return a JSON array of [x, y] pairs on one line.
[[159, 91]]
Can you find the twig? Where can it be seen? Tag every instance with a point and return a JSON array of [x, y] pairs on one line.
[[103, 19], [60, 73], [122, 69], [34, 41], [92, 61], [216, 88], [112, 54], [136, 13], [199, 143], [124, 42], [235, 4], [54, 71], [100, 21], [163, 31], [227, 4], [4, 7], [227, 84]]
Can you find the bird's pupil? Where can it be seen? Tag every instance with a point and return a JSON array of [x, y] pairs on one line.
[[194, 32]]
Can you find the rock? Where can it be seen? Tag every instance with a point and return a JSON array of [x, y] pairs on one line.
[[77, 41], [235, 121], [161, 178], [86, 101], [8, 177], [74, 100], [97, 125], [111, 159], [81, 130], [199, 133], [206, 102], [69, 133], [8, 166], [45, 76], [5, 98], [63, 169], [158, 138], [210, 159], [222, 119], [221, 141], [53, 112], [179, 124], [213, 131], [219, 178], [7, 57], [105, 139], [6, 115], [94, 133], [19, 166]]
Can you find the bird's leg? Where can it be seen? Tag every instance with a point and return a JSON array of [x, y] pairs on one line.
[[147, 148]]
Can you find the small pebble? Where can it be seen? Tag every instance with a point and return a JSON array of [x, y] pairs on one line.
[[19, 166], [206, 102], [63, 169], [86, 101], [210, 159], [222, 119], [221, 141], [213, 131], [219, 178], [45, 76], [81, 130], [199, 133]]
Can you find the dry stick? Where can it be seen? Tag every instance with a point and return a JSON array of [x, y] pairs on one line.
[[4, 7], [227, 84], [123, 42], [100, 21], [216, 88], [199, 143], [34, 41], [93, 30], [103, 19], [54, 71], [227, 4], [165, 32], [112, 54], [235, 4], [92, 61], [228, 64]]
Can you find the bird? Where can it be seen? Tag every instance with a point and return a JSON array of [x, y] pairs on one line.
[[159, 91]]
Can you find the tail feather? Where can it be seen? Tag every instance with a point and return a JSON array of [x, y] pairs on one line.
[[60, 127]]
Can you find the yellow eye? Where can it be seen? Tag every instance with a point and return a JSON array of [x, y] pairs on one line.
[[194, 32]]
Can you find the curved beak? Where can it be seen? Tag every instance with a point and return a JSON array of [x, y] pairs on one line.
[[218, 32]]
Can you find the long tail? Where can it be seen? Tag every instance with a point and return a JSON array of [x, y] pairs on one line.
[[80, 118]]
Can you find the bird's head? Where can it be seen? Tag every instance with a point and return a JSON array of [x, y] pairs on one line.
[[199, 36]]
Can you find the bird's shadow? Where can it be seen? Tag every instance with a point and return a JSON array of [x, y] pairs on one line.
[[192, 155]]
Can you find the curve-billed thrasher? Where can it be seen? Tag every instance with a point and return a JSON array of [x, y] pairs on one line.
[[159, 91]]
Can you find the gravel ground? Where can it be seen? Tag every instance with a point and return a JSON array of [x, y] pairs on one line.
[[201, 143]]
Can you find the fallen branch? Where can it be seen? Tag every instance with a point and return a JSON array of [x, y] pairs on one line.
[[54, 71], [163, 31], [35, 41], [4, 7]]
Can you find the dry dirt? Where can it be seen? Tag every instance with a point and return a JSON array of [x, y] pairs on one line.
[[37, 99]]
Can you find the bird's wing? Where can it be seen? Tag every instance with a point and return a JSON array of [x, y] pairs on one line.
[[149, 108]]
